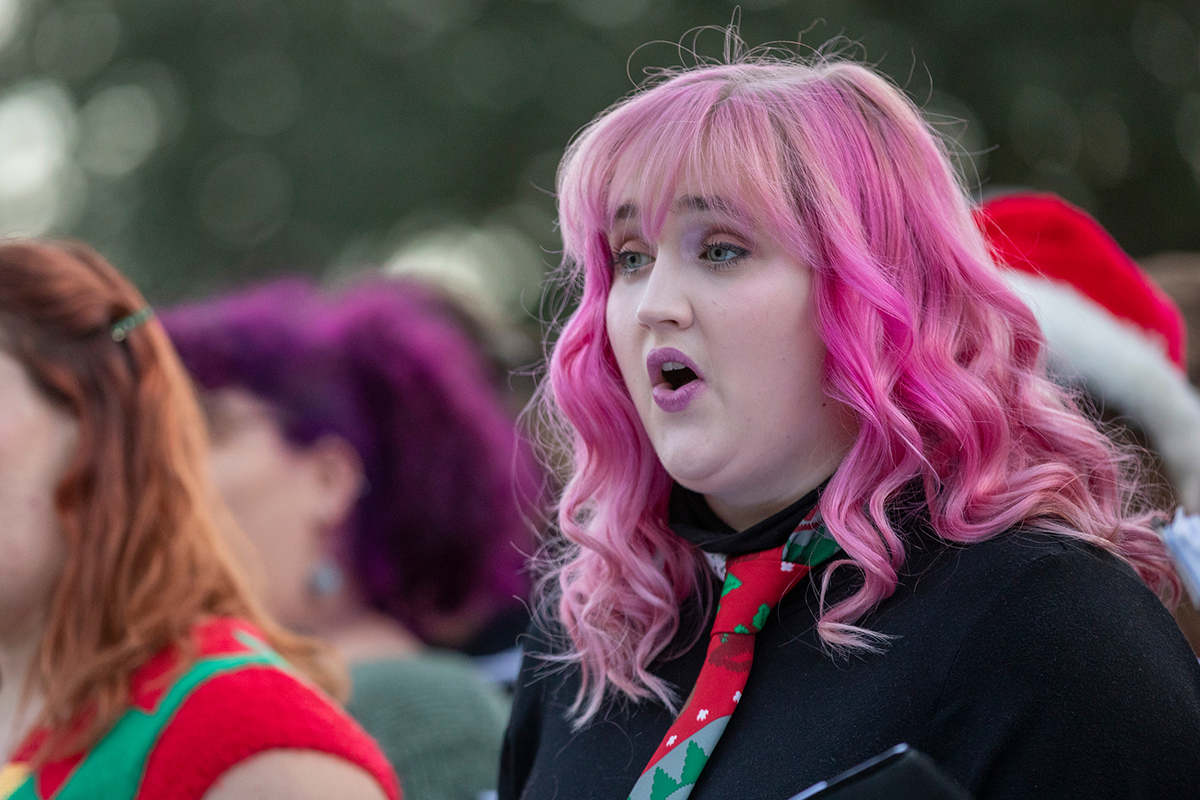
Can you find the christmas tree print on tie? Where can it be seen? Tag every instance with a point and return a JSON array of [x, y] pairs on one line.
[[664, 785], [757, 623]]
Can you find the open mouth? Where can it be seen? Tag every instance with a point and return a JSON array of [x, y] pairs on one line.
[[677, 375], [675, 378]]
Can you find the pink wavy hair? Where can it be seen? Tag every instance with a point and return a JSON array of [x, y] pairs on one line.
[[942, 365]]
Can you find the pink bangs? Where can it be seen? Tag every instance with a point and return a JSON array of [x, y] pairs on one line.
[[709, 133]]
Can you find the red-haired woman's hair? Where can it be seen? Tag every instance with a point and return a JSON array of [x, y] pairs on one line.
[[145, 558]]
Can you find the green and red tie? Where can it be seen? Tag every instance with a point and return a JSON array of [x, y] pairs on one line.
[[754, 584]]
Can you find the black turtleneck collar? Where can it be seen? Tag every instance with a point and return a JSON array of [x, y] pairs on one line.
[[691, 518]]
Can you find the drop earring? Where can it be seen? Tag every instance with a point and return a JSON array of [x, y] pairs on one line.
[[326, 578]]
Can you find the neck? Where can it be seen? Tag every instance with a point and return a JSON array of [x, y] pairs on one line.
[[741, 513], [367, 635], [743, 517], [18, 708], [355, 630]]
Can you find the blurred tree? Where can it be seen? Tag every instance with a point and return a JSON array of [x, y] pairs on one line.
[[199, 143]]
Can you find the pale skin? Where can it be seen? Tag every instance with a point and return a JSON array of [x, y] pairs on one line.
[[296, 774], [37, 441], [714, 286]]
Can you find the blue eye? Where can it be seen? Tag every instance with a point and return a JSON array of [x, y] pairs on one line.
[[723, 253], [631, 260]]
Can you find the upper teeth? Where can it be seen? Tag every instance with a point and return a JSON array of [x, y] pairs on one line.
[[670, 365]]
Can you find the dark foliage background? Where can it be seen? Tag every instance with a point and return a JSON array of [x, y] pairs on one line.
[[201, 143]]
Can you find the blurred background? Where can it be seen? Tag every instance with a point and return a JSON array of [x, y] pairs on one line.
[[202, 144]]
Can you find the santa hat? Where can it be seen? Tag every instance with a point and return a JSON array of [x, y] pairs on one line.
[[1105, 321]]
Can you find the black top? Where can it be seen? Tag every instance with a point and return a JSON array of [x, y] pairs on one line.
[[1027, 666]]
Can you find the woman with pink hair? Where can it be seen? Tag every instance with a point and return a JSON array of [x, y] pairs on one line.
[[824, 498]]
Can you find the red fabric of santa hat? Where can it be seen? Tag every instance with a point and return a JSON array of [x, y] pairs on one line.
[[1105, 320], [1046, 236]]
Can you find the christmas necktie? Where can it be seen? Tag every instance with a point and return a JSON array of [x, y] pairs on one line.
[[754, 584]]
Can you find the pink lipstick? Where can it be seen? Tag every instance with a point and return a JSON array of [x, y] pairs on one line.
[[675, 379]]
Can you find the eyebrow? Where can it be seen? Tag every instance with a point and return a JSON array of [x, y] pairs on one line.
[[688, 202], [625, 211], [696, 203]]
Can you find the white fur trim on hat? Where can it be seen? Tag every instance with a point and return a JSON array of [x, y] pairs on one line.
[[1126, 369]]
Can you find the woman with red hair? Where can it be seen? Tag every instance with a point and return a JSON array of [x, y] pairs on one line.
[[133, 661]]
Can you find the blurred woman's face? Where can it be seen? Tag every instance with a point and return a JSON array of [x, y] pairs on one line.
[[38, 438], [261, 477], [711, 323], [287, 500]]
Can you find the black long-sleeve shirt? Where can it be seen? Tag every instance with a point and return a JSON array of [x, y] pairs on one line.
[[1027, 666]]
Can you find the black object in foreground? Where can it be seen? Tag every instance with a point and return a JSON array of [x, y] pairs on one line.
[[901, 773]]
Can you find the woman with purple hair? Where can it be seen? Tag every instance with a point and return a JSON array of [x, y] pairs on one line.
[[824, 498], [371, 467]]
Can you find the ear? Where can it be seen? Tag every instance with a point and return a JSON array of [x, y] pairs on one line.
[[337, 479]]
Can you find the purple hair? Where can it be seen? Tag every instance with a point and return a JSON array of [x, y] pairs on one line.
[[444, 517], [942, 366]]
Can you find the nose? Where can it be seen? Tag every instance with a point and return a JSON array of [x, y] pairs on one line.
[[665, 299]]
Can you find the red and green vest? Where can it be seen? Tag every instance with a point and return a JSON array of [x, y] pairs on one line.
[[239, 698]]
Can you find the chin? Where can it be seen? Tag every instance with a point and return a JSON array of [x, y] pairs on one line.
[[699, 481]]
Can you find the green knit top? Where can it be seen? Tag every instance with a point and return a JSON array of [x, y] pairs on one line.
[[437, 722]]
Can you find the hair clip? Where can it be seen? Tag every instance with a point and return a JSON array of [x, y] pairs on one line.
[[121, 328]]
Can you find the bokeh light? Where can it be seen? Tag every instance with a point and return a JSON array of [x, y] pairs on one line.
[[496, 263], [259, 93], [1165, 43], [206, 142], [76, 40], [244, 198], [164, 86], [38, 185], [607, 13], [1107, 142], [497, 68], [11, 14], [399, 27], [1045, 132], [119, 128]]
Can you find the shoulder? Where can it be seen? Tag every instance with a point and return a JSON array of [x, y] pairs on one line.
[[541, 677], [545, 634], [443, 672], [1037, 590], [550, 671], [543, 646], [245, 709], [1030, 574], [433, 695], [1085, 603], [295, 775], [438, 722], [974, 576], [1071, 677], [545, 659]]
